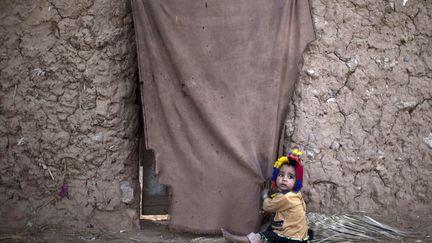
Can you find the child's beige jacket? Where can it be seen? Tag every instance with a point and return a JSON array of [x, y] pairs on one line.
[[290, 218]]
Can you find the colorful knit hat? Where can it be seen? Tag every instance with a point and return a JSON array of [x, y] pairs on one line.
[[294, 159]]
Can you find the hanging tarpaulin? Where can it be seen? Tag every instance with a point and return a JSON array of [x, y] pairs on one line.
[[216, 79]]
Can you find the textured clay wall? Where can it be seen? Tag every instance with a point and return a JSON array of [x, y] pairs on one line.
[[362, 109], [68, 112]]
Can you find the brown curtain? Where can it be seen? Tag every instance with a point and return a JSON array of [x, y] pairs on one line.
[[216, 78]]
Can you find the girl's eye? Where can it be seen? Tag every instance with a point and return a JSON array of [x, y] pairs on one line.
[[291, 177]]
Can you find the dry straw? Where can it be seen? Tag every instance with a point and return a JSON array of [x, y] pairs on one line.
[[354, 228]]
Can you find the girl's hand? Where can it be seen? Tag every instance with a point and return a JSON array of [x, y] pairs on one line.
[[265, 193]]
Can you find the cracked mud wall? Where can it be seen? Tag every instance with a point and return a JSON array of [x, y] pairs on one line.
[[362, 110], [68, 111]]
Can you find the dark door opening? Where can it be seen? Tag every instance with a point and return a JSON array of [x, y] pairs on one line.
[[155, 197]]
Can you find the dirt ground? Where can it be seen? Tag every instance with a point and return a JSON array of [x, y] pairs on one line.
[[149, 232], [158, 231]]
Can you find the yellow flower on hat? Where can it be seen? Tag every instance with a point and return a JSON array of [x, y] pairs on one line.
[[297, 152], [280, 161]]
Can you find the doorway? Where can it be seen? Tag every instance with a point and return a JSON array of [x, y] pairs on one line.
[[155, 197]]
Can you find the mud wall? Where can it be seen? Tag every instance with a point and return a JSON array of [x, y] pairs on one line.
[[362, 110], [68, 113], [68, 110]]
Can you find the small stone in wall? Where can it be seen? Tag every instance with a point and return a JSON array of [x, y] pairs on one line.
[[352, 65], [127, 192], [98, 137], [428, 140], [406, 105], [329, 100], [311, 151], [311, 73]]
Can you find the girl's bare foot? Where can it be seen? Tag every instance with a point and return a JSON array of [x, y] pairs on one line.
[[227, 235], [233, 238]]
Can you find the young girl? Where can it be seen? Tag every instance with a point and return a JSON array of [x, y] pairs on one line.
[[289, 222]]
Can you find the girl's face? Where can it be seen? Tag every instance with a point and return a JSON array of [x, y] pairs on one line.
[[286, 178]]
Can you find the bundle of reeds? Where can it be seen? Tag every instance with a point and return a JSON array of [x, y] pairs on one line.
[[354, 228]]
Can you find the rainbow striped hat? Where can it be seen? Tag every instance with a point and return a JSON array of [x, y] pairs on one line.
[[293, 158]]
